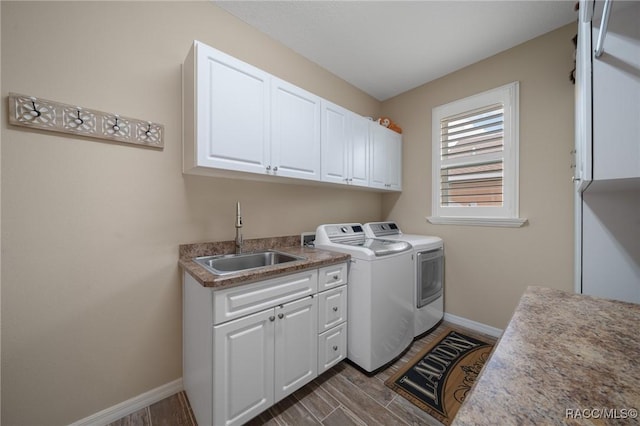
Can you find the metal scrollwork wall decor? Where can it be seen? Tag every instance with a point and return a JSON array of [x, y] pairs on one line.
[[29, 111]]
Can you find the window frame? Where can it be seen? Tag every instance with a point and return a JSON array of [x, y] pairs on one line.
[[508, 214]]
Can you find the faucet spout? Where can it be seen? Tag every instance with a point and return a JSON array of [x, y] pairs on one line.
[[238, 227]]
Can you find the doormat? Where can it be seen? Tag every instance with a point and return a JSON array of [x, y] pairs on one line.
[[438, 378]]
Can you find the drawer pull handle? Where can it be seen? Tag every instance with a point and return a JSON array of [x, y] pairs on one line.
[[335, 277], [280, 316], [335, 348], [272, 318], [335, 309]]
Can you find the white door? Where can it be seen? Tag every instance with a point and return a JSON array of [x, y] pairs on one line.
[[296, 345], [233, 112], [334, 143], [243, 368], [295, 131], [358, 153]]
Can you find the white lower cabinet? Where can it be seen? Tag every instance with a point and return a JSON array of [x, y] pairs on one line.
[[243, 367], [332, 316], [333, 347], [261, 358], [248, 347], [296, 346]]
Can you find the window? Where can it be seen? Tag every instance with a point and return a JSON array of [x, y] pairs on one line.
[[475, 160]]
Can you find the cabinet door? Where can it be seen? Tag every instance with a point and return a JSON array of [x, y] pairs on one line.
[[583, 165], [334, 143], [296, 345], [358, 153], [394, 165], [243, 368], [295, 131], [378, 162], [616, 96], [232, 124], [386, 158]]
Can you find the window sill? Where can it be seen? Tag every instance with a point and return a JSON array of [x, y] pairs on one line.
[[501, 222]]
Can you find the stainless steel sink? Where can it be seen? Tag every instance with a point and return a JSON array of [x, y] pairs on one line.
[[231, 263]]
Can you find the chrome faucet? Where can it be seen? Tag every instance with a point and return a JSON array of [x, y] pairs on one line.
[[238, 227]]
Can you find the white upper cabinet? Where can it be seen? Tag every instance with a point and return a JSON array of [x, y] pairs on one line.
[[345, 146], [295, 131], [226, 112], [335, 137], [238, 118], [358, 152], [386, 158], [616, 94], [607, 95], [583, 114]]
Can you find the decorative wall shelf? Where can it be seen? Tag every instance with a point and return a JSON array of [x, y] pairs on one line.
[[43, 114]]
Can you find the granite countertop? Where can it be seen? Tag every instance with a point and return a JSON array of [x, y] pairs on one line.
[[563, 359], [314, 258]]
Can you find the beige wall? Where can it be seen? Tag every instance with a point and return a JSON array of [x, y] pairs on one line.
[[91, 293], [488, 269]]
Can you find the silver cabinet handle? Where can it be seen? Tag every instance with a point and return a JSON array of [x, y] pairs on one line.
[[335, 348], [335, 309], [335, 277], [268, 168], [280, 316], [275, 169], [575, 179], [272, 318]]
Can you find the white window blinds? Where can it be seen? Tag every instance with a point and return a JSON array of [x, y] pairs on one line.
[[472, 163]]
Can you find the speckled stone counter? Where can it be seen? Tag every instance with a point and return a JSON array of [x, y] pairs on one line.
[[314, 258], [563, 359]]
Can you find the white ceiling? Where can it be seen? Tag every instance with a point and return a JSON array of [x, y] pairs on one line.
[[388, 47]]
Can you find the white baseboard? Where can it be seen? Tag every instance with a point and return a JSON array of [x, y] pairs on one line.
[[473, 325], [111, 414]]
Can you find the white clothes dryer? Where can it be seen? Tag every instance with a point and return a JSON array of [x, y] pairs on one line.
[[379, 294], [428, 272]]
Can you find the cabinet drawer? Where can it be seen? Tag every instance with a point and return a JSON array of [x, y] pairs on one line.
[[332, 308], [332, 347], [332, 276], [244, 300]]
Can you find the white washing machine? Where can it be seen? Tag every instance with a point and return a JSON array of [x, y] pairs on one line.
[[380, 312], [428, 272]]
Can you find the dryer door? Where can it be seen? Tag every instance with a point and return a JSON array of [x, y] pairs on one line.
[[430, 276]]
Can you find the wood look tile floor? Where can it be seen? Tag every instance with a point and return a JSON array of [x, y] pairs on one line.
[[343, 396]]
